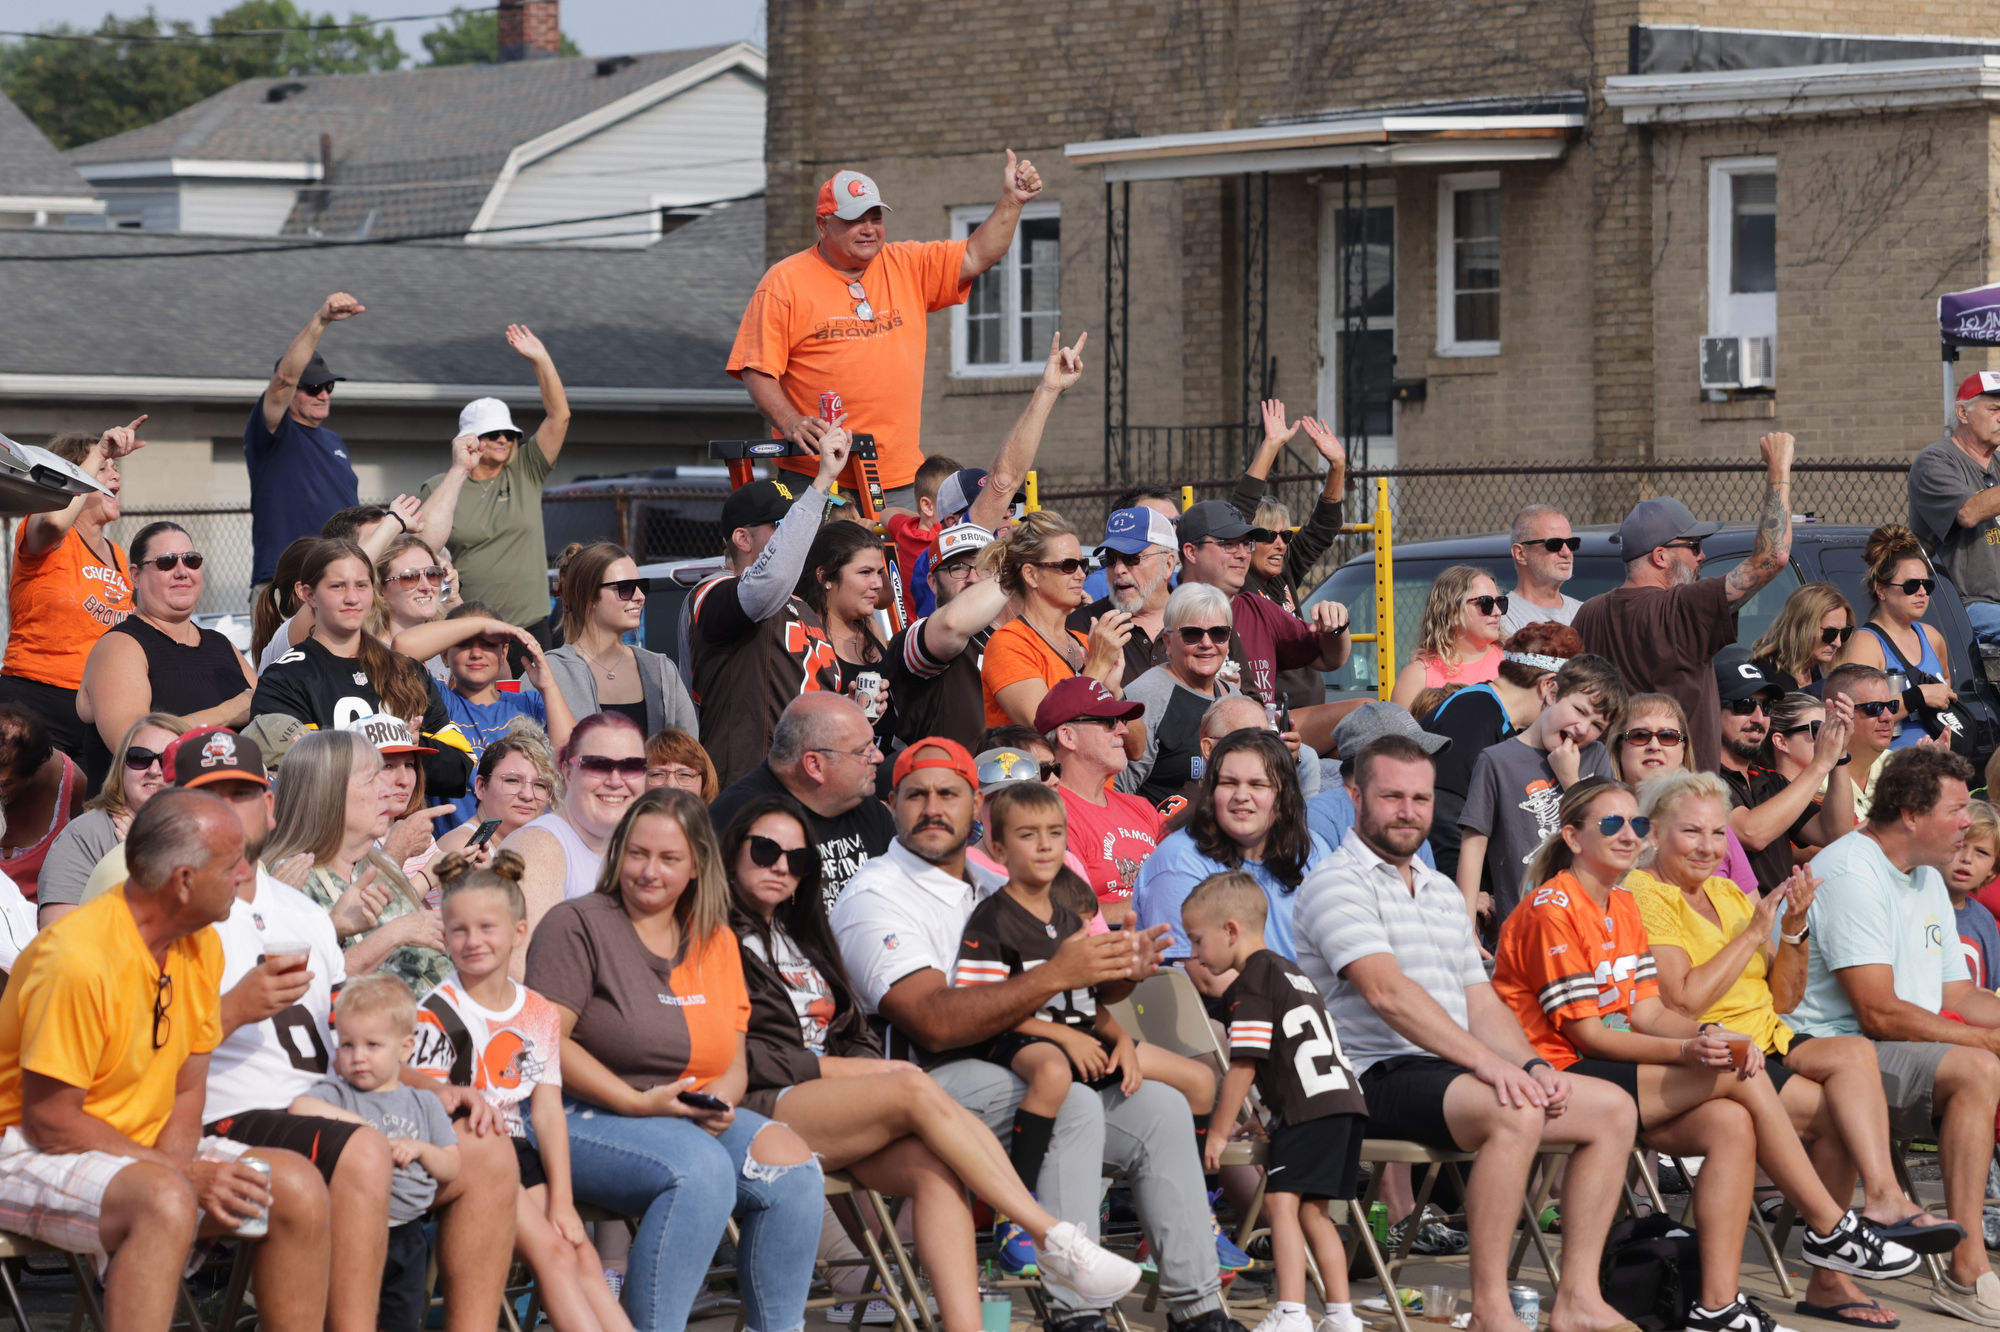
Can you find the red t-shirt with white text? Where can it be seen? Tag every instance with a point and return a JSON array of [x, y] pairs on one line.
[[1112, 840]]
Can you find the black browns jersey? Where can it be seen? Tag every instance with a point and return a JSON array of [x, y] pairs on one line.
[[1276, 1017], [1003, 938], [933, 697], [745, 671], [327, 692]]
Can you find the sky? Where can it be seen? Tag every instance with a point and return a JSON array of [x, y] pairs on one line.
[[600, 27]]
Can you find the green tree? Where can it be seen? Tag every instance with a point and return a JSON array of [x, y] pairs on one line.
[[352, 50], [473, 39]]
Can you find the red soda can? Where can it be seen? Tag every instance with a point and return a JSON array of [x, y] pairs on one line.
[[829, 406]]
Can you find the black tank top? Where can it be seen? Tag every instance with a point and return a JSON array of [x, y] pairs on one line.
[[185, 680]]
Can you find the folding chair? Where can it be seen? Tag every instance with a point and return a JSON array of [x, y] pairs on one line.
[[1899, 1148], [15, 1248]]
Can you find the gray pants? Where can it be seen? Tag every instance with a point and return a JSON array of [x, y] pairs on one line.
[[1149, 1136]]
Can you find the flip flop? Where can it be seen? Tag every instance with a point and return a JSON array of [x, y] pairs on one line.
[[1832, 1313], [1940, 1238]]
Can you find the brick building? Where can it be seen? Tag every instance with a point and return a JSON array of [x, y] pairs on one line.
[[1504, 241]]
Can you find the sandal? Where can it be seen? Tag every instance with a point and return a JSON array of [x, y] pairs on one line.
[[1940, 1238], [1833, 1313]]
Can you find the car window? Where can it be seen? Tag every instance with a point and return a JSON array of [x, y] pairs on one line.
[[1754, 616]]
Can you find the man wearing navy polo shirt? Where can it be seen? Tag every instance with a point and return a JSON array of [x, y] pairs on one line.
[[299, 471]]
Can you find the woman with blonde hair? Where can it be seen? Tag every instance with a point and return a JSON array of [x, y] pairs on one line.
[[138, 769], [1653, 743], [1458, 639], [1800, 646], [602, 599], [1895, 639], [415, 587], [1041, 568]]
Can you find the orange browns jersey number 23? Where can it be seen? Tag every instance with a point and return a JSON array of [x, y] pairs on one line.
[[814, 654]]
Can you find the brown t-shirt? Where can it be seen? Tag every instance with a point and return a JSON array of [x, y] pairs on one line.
[[745, 671], [649, 1020], [1663, 641]]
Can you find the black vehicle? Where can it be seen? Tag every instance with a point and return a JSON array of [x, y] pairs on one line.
[[1820, 553]]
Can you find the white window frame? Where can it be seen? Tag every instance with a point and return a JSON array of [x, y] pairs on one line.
[[965, 220], [1448, 343], [1381, 194], [1751, 314]]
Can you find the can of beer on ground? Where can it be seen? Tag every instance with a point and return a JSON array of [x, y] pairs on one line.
[[829, 406], [1378, 1222], [1527, 1305], [259, 1225]]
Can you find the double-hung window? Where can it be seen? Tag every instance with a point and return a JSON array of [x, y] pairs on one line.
[[1469, 264], [1015, 307]]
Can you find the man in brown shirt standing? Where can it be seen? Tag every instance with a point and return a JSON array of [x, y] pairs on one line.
[[1663, 627]]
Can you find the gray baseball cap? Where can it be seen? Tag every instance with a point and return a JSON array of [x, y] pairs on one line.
[[1655, 522], [1373, 720]]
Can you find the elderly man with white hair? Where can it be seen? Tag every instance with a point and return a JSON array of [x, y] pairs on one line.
[[1544, 552]]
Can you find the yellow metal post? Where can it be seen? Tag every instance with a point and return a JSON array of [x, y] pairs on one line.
[[1187, 498], [1385, 594], [1034, 492]]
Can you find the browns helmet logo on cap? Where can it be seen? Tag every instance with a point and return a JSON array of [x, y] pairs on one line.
[[221, 748], [856, 189]]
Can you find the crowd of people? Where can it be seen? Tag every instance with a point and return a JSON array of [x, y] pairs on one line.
[[452, 911]]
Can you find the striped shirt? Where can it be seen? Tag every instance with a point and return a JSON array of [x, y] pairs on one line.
[[1561, 958]]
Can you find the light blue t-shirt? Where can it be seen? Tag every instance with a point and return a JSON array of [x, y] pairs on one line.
[[1870, 913], [1331, 813], [483, 723], [1172, 872]]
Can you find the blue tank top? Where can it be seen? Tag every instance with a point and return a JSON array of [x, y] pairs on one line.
[[1910, 730]]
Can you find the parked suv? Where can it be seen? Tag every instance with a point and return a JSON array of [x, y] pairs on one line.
[[1820, 553]]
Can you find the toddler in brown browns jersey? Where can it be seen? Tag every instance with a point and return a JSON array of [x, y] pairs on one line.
[[1281, 1038]]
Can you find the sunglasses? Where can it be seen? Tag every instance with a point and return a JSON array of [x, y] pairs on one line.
[[1192, 634], [1810, 727], [627, 587], [1692, 544], [799, 860], [1886, 709], [487, 643], [1283, 535], [1641, 735], [1611, 823], [1836, 635], [317, 390], [163, 1000], [166, 563], [511, 436], [1743, 707], [409, 577], [603, 764], [138, 760], [1487, 605], [1554, 544], [1112, 558], [1909, 587], [1068, 568]]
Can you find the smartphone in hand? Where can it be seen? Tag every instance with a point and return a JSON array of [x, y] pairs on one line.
[[703, 1101], [483, 835]]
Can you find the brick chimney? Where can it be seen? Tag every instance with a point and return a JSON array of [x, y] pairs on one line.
[[530, 29]]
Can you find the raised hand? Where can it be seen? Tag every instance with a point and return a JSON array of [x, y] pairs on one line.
[[1322, 436], [356, 910], [118, 441], [1834, 732], [1020, 182], [465, 453], [527, 344], [1777, 448], [292, 873], [1275, 429], [834, 447], [339, 306], [1065, 365], [410, 509]]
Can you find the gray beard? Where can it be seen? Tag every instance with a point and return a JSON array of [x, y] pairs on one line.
[[1136, 601]]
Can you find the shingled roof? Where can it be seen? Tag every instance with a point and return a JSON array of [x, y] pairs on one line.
[[658, 320], [30, 166], [420, 148]]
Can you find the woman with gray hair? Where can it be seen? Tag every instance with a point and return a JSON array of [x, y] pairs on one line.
[[1179, 691]]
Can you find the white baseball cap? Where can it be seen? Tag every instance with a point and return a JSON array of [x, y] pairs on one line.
[[483, 416], [848, 195], [389, 734]]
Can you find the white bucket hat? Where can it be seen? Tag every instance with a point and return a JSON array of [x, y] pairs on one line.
[[483, 416]]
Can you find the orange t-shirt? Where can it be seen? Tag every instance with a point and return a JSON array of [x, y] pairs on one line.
[[62, 602], [804, 329], [1561, 958], [1016, 653]]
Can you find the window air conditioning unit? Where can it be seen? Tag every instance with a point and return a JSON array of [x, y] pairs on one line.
[[1736, 362]]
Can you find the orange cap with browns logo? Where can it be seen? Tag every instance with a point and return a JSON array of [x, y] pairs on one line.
[[848, 195], [942, 753]]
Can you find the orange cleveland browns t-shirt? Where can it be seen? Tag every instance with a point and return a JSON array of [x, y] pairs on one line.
[[1561, 958], [804, 328], [63, 600], [1016, 653]]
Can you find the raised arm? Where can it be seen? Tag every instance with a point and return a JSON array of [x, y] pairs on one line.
[[1019, 183], [554, 428], [45, 531], [1317, 533], [1017, 451], [948, 630], [285, 379], [1774, 530], [1759, 827], [440, 508], [764, 588]]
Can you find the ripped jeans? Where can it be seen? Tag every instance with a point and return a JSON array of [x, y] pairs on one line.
[[687, 1183]]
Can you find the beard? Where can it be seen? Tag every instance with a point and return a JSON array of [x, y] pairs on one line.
[[1399, 840], [1135, 601], [1747, 750]]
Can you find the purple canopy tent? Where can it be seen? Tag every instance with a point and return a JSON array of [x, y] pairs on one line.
[[1966, 319]]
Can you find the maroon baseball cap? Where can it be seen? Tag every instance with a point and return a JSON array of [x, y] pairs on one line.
[[214, 754], [1083, 696]]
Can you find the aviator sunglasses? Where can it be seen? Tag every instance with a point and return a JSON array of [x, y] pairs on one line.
[[166, 563], [1611, 823]]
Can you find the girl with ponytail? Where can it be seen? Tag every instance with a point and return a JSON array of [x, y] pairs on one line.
[[1900, 584]]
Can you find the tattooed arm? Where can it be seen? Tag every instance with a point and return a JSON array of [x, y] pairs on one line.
[[1774, 531]]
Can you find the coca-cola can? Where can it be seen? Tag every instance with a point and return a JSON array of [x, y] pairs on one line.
[[259, 1225], [829, 406]]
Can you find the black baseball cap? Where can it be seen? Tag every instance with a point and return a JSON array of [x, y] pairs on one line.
[[1738, 677], [759, 502], [1220, 520], [317, 372]]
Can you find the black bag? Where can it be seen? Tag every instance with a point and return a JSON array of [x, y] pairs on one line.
[[1956, 718], [1652, 1271]]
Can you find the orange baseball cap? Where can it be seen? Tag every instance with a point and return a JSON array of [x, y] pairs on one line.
[[955, 757]]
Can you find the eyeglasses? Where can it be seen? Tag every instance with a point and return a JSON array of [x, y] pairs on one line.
[[1812, 727], [1191, 634], [1114, 558], [1691, 544], [317, 390], [1554, 544], [1611, 823], [799, 860], [138, 760], [1909, 587], [1642, 735], [1836, 635], [166, 563], [627, 587], [1487, 605], [868, 753], [1743, 707], [512, 785], [410, 577], [1884, 709], [604, 764], [163, 1000], [1228, 547], [1068, 568], [673, 776]]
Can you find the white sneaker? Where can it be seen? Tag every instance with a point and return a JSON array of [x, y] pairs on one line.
[[1070, 1257], [1976, 1303], [1328, 1323], [1279, 1320]]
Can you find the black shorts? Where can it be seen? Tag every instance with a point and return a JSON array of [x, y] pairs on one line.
[[403, 1303], [530, 1162], [1405, 1096], [320, 1141], [1617, 1072], [1318, 1159], [1002, 1049]]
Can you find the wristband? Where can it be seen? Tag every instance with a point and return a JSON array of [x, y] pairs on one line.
[[1795, 939], [1529, 1067], [399, 520], [1702, 1030], [1845, 759], [1913, 698]]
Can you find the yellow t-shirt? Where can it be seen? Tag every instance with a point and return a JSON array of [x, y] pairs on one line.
[[79, 1009], [1746, 1005]]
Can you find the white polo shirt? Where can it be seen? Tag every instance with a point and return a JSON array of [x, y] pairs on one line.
[[899, 915]]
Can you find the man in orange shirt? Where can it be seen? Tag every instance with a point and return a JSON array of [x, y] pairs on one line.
[[846, 317]]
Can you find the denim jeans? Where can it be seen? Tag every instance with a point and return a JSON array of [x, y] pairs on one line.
[[686, 1183], [1985, 617]]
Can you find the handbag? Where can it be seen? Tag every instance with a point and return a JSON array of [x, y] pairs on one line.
[[1651, 1271], [1956, 719]]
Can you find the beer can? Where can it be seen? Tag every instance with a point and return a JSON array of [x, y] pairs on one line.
[[1378, 1221], [1527, 1305], [829, 406], [867, 689], [259, 1225]]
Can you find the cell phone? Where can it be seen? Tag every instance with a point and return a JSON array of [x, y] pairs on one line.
[[1114, 925], [484, 835], [703, 1101]]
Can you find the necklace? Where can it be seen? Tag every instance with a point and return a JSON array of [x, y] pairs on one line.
[[1067, 651], [609, 674]]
